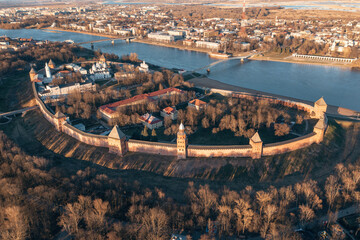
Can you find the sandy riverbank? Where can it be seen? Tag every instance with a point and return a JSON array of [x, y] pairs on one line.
[[332, 110]]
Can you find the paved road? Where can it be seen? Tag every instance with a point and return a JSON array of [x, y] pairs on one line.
[[18, 111]]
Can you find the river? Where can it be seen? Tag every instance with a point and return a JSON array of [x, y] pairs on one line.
[[338, 86]]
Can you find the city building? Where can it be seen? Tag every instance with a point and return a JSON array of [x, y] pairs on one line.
[[65, 89], [144, 67], [151, 121], [170, 112], [108, 111], [197, 104]]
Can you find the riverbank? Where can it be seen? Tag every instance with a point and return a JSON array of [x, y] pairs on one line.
[[217, 86], [301, 61]]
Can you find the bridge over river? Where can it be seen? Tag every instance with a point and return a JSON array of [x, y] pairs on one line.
[[242, 58], [107, 39]]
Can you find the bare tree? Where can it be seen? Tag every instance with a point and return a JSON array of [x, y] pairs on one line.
[[244, 215], [263, 198], [306, 213], [332, 188], [269, 215], [155, 223], [15, 225]]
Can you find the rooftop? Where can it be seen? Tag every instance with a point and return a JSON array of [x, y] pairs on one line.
[[110, 108], [116, 133], [321, 102], [197, 102], [149, 118], [256, 138]]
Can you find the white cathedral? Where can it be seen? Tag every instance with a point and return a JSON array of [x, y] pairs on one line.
[[100, 70]]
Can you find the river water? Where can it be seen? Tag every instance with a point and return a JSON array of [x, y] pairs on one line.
[[339, 86]]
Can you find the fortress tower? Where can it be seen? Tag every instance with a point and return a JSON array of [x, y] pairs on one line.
[[32, 74], [51, 64], [117, 141], [320, 108], [60, 119], [320, 128], [257, 146], [181, 142]]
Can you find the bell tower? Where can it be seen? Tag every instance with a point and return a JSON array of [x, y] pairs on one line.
[[32, 74], [181, 142]]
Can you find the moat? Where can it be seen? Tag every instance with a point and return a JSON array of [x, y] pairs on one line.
[[339, 86]]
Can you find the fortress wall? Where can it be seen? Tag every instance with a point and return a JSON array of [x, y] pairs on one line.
[[219, 151], [91, 139], [192, 150], [290, 145], [47, 114], [152, 147]]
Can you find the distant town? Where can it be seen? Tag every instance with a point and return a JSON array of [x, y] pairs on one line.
[[248, 30]]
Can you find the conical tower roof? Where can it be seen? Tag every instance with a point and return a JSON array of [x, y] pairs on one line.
[[102, 58], [256, 138], [59, 115], [51, 63], [321, 102], [116, 133], [181, 127]]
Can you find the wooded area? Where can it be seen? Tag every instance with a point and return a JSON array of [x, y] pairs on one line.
[[40, 197]]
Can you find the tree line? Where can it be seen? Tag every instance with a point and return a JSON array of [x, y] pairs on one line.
[[39, 55], [39, 198]]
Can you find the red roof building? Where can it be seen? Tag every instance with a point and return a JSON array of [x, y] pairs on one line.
[[150, 121], [108, 111], [197, 104], [169, 112]]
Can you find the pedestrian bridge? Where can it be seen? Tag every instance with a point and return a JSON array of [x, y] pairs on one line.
[[242, 58], [13, 113], [107, 39]]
